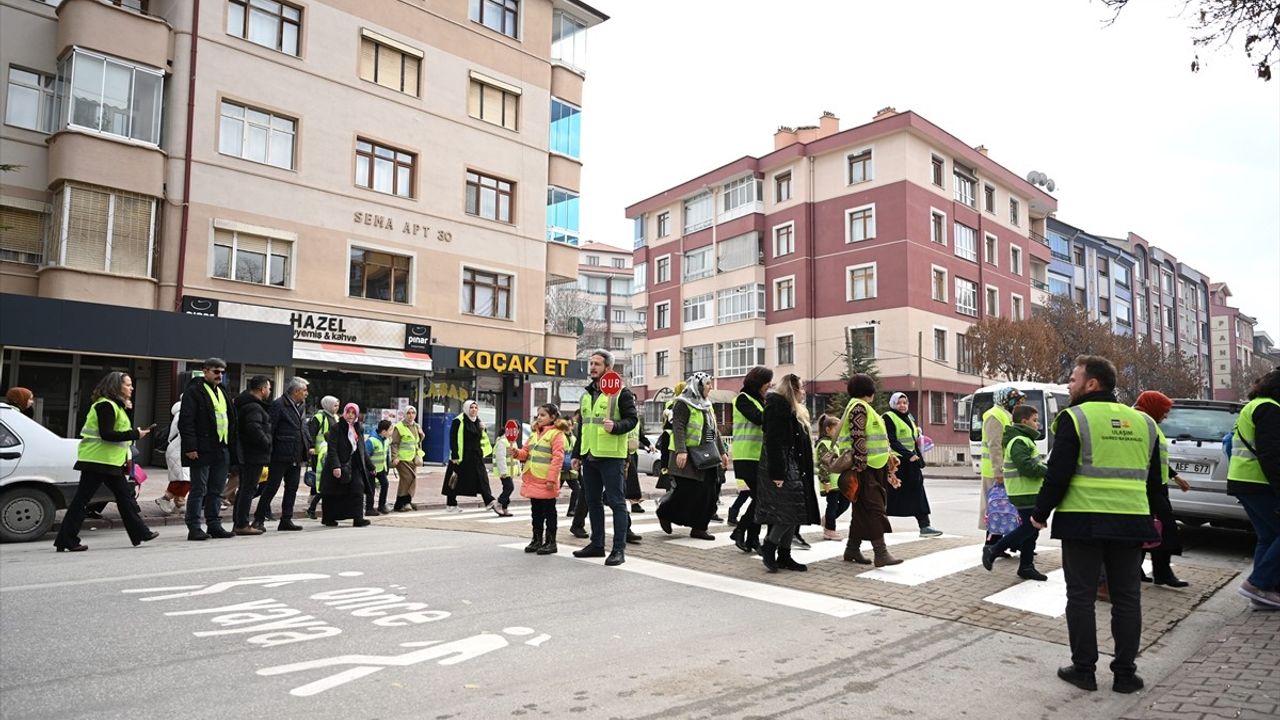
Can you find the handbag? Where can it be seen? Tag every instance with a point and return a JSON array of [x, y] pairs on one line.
[[704, 456], [842, 462], [309, 479], [848, 484]]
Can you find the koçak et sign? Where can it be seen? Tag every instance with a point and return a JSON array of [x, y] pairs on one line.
[[319, 327]]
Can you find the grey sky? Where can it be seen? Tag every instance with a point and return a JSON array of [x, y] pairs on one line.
[[1134, 140]]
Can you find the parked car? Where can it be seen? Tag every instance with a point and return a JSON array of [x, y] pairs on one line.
[[648, 461], [1195, 429], [37, 476]]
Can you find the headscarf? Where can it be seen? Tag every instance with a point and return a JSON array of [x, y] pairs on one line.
[[329, 404], [467, 406], [692, 395], [1154, 403], [893, 407], [1007, 397], [894, 398], [352, 434]]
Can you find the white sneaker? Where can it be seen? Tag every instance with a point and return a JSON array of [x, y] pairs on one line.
[[831, 535], [166, 505], [453, 509]]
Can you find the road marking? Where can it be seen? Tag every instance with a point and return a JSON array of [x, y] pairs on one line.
[[1048, 598], [721, 540], [774, 594], [220, 568], [933, 566]]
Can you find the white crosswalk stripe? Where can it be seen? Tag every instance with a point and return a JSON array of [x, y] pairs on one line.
[[1048, 598], [925, 568]]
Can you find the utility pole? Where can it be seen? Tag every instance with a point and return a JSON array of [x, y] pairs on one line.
[[920, 373]]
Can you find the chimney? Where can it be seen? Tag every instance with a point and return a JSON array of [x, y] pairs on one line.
[[884, 112], [808, 133], [828, 124], [783, 137], [982, 149]]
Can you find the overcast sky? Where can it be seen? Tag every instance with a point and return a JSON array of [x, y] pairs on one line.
[[1134, 140]]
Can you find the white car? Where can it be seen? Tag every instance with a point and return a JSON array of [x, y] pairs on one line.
[[37, 476]]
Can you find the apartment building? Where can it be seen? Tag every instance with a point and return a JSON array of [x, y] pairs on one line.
[[894, 234], [372, 195], [1094, 274], [1233, 344]]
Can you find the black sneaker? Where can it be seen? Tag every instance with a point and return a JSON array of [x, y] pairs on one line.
[[1083, 680], [1127, 684], [590, 551], [637, 508]]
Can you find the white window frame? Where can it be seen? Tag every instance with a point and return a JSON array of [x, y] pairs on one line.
[[777, 348], [875, 337], [791, 248], [619, 316], [754, 295], [637, 369], [963, 310], [777, 306], [657, 316], [707, 271], [639, 277], [46, 102], [1015, 259], [935, 212], [704, 304], [848, 218], [870, 173], [271, 235], [660, 263], [849, 283], [970, 254], [946, 338], [755, 355], [994, 259], [271, 129], [946, 284], [971, 200], [65, 96], [696, 201], [1017, 307], [987, 306], [63, 225], [734, 189]]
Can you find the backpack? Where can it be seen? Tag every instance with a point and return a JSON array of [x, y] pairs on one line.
[[1002, 517]]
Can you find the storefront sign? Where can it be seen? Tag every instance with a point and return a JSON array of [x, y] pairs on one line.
[[317, 327], [501, 362], [417, 338], [388, 224], [448, 391]]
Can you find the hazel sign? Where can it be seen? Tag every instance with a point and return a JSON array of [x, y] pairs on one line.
[[512, 363]]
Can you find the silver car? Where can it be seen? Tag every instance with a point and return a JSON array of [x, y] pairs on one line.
[[1195, 429]]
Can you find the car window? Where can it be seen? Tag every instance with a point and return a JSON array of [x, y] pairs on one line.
[[1208, 424], [7, 437]]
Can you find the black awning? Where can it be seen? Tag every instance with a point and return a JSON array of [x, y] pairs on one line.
[[51, 324]]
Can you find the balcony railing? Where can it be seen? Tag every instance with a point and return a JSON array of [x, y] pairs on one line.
[[1039, 284], [1038, 237]]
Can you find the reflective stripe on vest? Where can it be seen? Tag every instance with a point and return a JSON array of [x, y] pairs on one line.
[[93, 448], [905, 432], [1005, 421], [692, 432], [1162, 444], [1014, 483], [410, 448], [219, 411], [1116, 443], [830, 480], [748, 437], [486, 448], [540, 451], [597, 442], [877, 436], [1244, 465], [380, 452]]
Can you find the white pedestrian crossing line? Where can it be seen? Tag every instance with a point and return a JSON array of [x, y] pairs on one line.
[[1048, 598], [925, 568], [723, 539]]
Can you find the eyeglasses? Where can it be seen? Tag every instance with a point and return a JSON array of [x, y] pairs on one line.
[[216, 371]]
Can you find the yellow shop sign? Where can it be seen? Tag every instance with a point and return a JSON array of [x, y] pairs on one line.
[[512, 363]]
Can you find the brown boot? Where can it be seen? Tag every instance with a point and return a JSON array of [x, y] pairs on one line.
[[882, 555], [853, 553]]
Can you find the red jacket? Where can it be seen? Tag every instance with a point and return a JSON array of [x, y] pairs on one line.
[[548, 488]]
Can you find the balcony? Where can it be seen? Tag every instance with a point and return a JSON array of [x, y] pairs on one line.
[[1038, 237], [112, 30]]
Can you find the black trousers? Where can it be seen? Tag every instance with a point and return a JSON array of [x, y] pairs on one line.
[[69, 533], [544, 516], [290, 474], [378, 487], [245, 492], [508, 487], [1082, 563]]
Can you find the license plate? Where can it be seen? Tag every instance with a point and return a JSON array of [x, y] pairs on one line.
[[1193, 467]]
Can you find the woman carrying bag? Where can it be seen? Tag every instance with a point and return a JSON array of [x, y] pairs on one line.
[[468, 447], [784, 485], [697, 454], [909, 500], [863, 430], [347, 470]]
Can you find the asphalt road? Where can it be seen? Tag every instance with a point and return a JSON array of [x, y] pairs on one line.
[[385, 622]]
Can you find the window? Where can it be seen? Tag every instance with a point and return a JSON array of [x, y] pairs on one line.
[[1059, 246], [938, 170], [989, 198], [860, 282], [22, 235], [660, 363], [937, 408], [109, 96], [642, 318], [251, 258], [1015, 212], [490, 197], [389, 63], [266, 23], [1015, 259], [1122, 275], [745, 302], [698, 358], [1166, 282], [495, 102], [964, 355], [29, 103], [739, 356], [568, 40], [566, 130], [257, 135], [989, 246], [940, 344], [593, 260], [637, 369], [486, 293], [1077, 256], [662, 315], [1124, 313], [697, 312], [784, 239], [1016, 307], [1104, 267], [861, 340], [639, 223], [664, 224], [965, 184], [738, 252], [938, 283], [1104, 307], [500, 15], [384, 169], [1141, 306], [662, 271], [740, 195], [639, 276], [697, 264], [697, 212], [620, 263], [619, 316], [786, 349], [618, 343], [966, 297], [1059, 285], [993, 301], [104, 230], [860, 168], [1079, 296], [966, 242], [860, 223], [782, 187], [784, 294], [938, 227], [562, 215], [377, 275]]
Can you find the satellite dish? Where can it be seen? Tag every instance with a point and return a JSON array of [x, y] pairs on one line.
[[1050, 185]]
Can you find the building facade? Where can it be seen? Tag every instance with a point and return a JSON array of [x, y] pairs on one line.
[[1095, 274], [894, 236], [1233, 345], [605, 277], [396, 183]]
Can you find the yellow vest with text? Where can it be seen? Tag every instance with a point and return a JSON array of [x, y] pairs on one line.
[[93, 448], [748, 437], [410, 448], [540, 452], [1116, 443], [988, 471], [877, 435], [1244, 465], [597, 442], [905, 432], [321, 444]]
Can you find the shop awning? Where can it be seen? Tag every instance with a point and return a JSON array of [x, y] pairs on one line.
[[367, 357]]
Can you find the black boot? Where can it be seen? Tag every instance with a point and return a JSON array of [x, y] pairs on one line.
[[787, 563], [549, 547], [768, 553], [753, 537], [739, 536], [535, 543]]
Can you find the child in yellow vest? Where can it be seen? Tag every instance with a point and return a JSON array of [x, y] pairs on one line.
[[543, 458], [828, 453]]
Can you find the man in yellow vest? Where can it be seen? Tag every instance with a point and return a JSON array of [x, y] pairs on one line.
[[599, 457], [1103, 472], [1253, 477], [206, 431]]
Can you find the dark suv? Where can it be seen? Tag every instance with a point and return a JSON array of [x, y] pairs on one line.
[[1195, 429]]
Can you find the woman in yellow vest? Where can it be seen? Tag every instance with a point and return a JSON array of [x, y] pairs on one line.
[[909, 500], [748, 441], [785, 481], [543, 457], [468, 447], [693, 428], [406, 453], [103, 459], [863, 429], [1254, 479]]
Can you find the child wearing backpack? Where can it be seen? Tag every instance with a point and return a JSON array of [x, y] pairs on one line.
[[543, 457]]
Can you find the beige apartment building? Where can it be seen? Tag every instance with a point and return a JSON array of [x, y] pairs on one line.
[[372, 195]]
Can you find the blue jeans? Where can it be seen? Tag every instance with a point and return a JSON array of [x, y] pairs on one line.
[[602, 483], [1266, 524], [1023, 538], [207, 484]]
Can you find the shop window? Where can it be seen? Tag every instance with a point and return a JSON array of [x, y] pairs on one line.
[[251, 258], [486, 293], [379, 275]]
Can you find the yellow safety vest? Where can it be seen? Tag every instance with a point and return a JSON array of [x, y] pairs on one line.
[[906, 433], [1014, 483], [692, 431], [93, 448], [1116, 443], [219, 411], [410, 448], [486, 448], [379, 453], [877, 436], [321, 443], [540, 452], [1244, 465], [748, 437], [988, 471], [595, 440]]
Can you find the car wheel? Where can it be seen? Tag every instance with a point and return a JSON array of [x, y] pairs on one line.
[[26, 514]]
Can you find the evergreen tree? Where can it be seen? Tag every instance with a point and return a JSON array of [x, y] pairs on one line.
[[857, 360]]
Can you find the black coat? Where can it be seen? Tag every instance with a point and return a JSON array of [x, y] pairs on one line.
[[253, 430], [289, 438], [788, 456], [197, 426], [356, 466], [470, 469]]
